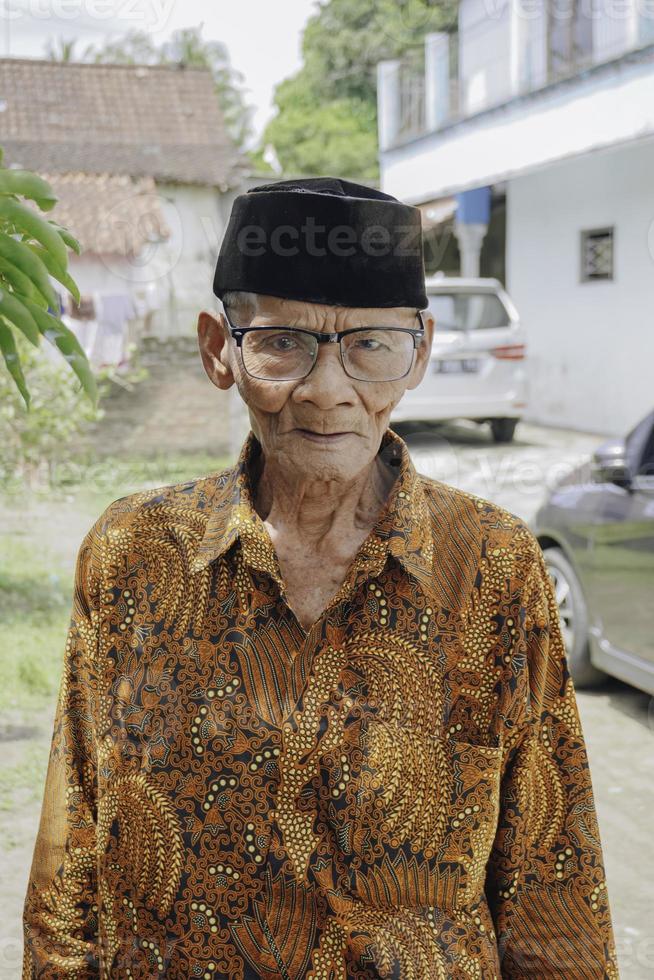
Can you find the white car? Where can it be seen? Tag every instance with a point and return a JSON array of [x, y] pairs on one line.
[[477, 369]]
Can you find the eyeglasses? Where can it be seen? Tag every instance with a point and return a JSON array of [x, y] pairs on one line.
[[290, 353]]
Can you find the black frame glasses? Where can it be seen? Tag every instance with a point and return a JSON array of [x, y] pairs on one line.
[[238, 333]]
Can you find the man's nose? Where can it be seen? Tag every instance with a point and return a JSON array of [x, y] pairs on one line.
[[327, 384]]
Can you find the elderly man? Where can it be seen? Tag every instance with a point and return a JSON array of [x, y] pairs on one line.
[[315, 719]]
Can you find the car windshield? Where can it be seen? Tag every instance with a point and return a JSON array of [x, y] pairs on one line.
[[467, 311]]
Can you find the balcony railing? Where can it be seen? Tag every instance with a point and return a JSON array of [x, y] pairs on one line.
[[412, 120], [418, 110], [552, 50]]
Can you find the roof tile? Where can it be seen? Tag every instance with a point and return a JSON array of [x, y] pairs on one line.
[[140, 120]]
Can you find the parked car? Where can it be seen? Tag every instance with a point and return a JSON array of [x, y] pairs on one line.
[[477, 369], [596, 530]]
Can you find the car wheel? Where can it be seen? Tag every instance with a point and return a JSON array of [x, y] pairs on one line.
[[503, 429], [573, 616]]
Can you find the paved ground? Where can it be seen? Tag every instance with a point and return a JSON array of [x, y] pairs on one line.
[[618, 721]]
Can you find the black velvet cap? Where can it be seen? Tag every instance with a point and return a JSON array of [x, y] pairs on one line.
[[324, 240]]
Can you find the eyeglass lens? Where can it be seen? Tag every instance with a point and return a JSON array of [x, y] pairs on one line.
[[276, 354]]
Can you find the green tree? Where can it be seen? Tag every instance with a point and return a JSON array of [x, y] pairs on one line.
[[33, 443], [45, 447], [338, 136], [326, 119], [61, 49]]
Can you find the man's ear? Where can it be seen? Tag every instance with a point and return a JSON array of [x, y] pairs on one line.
[[214, 341], [422, 351]]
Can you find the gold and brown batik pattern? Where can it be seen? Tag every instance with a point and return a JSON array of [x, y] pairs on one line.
[[401, 792]]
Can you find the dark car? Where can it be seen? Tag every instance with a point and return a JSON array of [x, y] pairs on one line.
[[596, 530]]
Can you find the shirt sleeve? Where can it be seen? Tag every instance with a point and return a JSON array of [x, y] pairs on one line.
[[60, 912], [545, 882]]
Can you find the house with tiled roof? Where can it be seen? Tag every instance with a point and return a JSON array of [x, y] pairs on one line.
[[145, 172]]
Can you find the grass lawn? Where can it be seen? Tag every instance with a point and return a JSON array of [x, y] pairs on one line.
[[35, 596], [40, 534]]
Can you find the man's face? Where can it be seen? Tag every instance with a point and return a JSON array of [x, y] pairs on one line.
[[326, 426]]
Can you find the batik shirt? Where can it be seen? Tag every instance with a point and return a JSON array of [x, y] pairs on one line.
[[401, 791]]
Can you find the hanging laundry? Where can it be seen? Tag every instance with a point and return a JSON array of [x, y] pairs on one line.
[[113, 312]]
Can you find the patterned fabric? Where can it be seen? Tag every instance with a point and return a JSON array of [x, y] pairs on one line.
[[401, 792]]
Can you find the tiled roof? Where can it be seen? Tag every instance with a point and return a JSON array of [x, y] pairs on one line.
[[143, 121], [109, 214]]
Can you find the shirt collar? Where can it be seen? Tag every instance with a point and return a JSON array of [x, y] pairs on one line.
[[402, 529]]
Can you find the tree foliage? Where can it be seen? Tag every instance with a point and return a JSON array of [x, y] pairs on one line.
[[32, 443], [326, 119], [44, 448]]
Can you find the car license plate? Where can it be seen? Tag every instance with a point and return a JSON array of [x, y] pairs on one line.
[[460, 365]]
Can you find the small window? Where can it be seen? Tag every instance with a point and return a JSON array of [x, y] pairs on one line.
[[597, 254]]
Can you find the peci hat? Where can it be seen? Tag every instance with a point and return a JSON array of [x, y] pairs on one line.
[[324, 240]]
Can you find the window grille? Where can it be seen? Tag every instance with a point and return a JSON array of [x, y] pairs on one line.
[[597, 254]]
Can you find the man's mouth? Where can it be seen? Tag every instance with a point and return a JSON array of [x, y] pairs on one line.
[[322, 436]]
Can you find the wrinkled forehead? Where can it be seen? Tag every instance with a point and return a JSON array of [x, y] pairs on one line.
[[293, 312]]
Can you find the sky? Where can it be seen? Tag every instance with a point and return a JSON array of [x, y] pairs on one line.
[[263, 37]]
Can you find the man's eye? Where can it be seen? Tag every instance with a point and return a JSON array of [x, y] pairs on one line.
[[282, 342], [368, 343]]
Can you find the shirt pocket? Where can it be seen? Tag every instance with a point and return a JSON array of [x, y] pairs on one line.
[[424, 811]]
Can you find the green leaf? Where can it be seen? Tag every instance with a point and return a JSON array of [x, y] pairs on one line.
[[63, 277], [16, 279], [67, 343], [25, 219], [29, 185], [66, 237], [12, 360], [29, 263], [16, 311]]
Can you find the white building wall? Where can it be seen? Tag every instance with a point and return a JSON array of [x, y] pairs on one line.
[[174, 276], [184, 268], [95, 275], [590, 344]]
